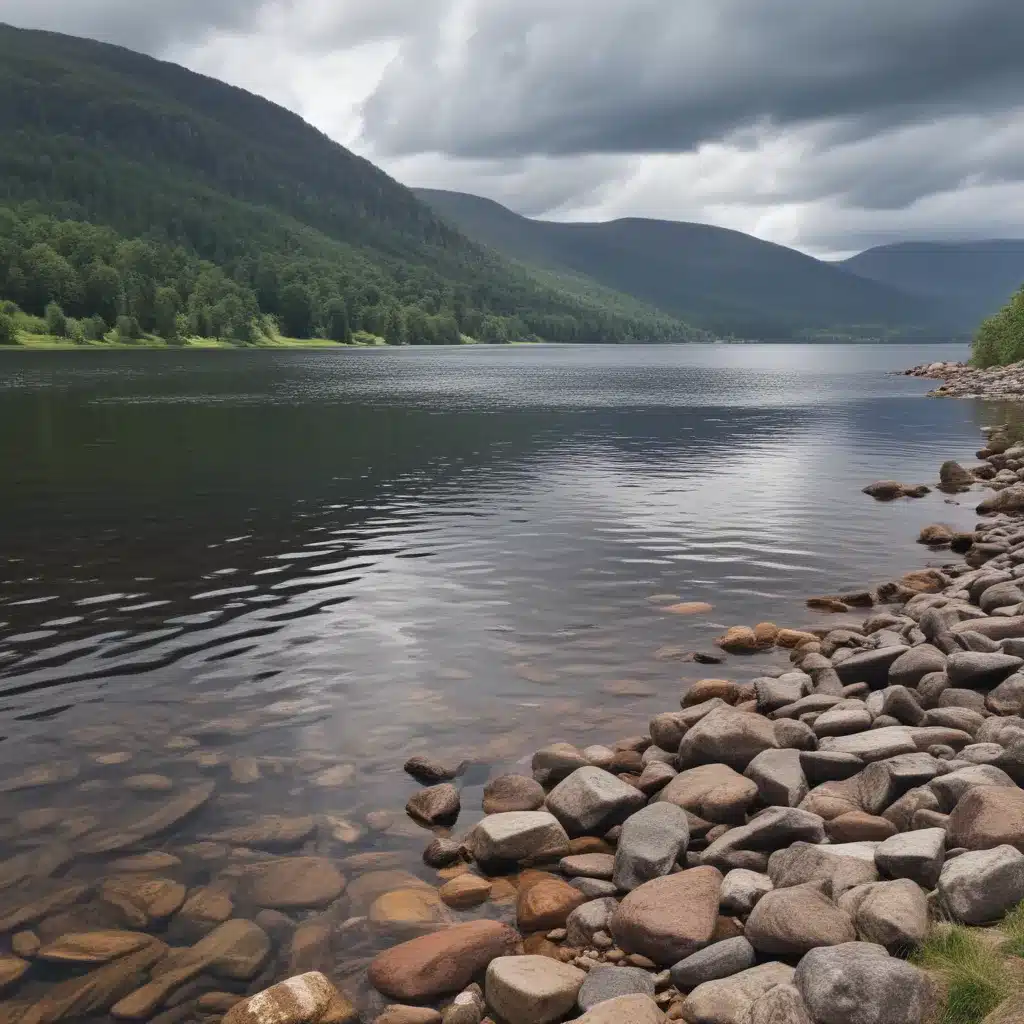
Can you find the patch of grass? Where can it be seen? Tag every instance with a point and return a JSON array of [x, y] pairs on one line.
[[974, 971], [1013, 928]]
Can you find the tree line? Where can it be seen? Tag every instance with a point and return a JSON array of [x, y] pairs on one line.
[[1000, 338]]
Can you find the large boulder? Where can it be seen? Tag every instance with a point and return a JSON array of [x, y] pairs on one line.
[[305, 999], [871, 667], [730, 1000], [714, 792], [557, 762], [592, 800], [741, 889], [988, 816], [719, 960], [531, 989], [446, 961], [607, 982], [780, 1005], [835, 868], [884, 782], [917, 855], [875, 744], [859, 983], [892, 914], [651, 842], [914, 664], [772, 829], [950, 789], [624, 1010], [975, 670], [508, 793], [779, 776], [517, 836], [669, 918], [795, 920], [981, 886], [727, 736]]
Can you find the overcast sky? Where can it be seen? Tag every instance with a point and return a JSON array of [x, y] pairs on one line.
[[829, 125]]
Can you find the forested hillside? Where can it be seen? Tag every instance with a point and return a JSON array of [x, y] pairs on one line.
[[725, 281], [137, 193]]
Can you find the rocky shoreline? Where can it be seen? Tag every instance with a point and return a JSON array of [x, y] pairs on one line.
[[961, 380], [790, 850]]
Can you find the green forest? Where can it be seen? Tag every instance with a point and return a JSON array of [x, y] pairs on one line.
[[140, 199], [1000, 338]]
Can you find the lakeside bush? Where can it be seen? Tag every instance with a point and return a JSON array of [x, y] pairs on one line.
[[8, 330], [1000, 338]]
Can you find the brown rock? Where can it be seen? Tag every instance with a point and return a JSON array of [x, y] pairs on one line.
[[935, 535], [794, 638], [436, 805], [708, 689], [513, 793], [201, 913], [292, 882], [21, 904], [795, 920], [310, 948], [446, 961], [397, 1014], [739, 640], [417, 909], [305, 999], [140, 901], [93, 947], [25, 944], [546, 905], [714, 792], [11, 970], [269, 832], [669, 918], [987, 817], [465, 892], [857, 826]]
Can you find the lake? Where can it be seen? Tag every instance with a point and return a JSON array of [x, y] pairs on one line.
[[285, 572]]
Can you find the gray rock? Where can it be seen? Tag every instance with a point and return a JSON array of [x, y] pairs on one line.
[[731, 1000], [901, 704], [714, 792], [719, 960], [912, 666], [779, 777], [958, 697], [780, 1005], [816, 702], [651, 842], [606, 982], [794, 920], [588, 865], [871, 667], [592, 800], [727, 736], [973, 670], [741, 889], [557, 762], [829, 766], [531, 989], [997, 628], [1008, 697], [965, 719], [859, 983], [655, 777], [982, 753], [981, 886], [852, 716], [776, 693], [884, 782], [1004, 731], [772, 829], [667, 730], [931, 689], [517, 836], [594, 888], [948, 789], [585, 921], [658, 755], [875, 745], [436, 805], [893, 914], [835, 868], [794, 735], [1000, 595], [917, 855]]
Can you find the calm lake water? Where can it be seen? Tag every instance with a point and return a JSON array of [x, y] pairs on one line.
[[337, 559]]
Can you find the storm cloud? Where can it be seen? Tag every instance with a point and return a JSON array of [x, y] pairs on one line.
[[828, 125]]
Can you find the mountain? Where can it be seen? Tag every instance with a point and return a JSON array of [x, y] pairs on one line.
[[724, 281], [971, 280], [136, 191]]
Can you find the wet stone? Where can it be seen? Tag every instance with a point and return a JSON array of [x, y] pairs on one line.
[[149, 784]]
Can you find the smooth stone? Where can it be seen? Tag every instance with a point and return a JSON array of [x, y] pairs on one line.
[[509, 793], [836, 867], [950, 789], [892, 914], [714, 792], [294, 882], [141, 901], [771, 829], [914, 664], [871, 667], [987, 817], [727, 736], [624, 1010], [829, 766], [981, 886], [731, 1000], [976, 670], [858, 826], [531, 989], [779, 777], [741, 889], [465, 892], [436, 805], [13, 969], [780, 1005], [409, 910], [917, 855], [148, 784], [556, 762], [650, 844], [398, 1014], [874, 745], [588, 865], [592, 801], [605, 982], [518, 836], [305, 999], [882, 783], [430, 771], [546, 904], [98, 947], [719, 960], [794, 920], [594, 888]]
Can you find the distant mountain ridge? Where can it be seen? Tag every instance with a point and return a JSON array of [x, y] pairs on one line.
[[722, 280], [970, 280]]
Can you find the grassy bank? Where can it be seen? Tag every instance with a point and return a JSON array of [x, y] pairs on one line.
[[50, 342]]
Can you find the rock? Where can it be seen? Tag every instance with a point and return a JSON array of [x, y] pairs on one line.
[[25, 944], [509, 793], [780, 1005], [1000, 595], [978, 887], [714, 792], [148, 784], [13, 968], [772, 692], [727, 736], [546, 905], [974, 670], [859, 983], [624, 1010], [828, 766], [604, 983], [292, 882], [739, 640], [669, 918], [160, 820], [842, 720], [585, 921], [901, 704], [779, 777], [719, 960], [793, 735], [436, 805], [871, 667], [997, 627], [988, 816], [875, 745], [773, 828], [794, 920], [882, 783], [152, 861], [398, 1014], [1008, 697], [51, 774], [442, 852], [518, 836], [651, 842], [731, 1000], [141, 901], [23, 904], [655, 777], [98, 947], [556, 762], [835, 868], [887, 490], [310, 947], [305, 999], [334, 777], [592, 800], [409, 910], [588, 865], [741, 889], [708, 689], [950, 789], [953, 477], [432, 965], [531, 989], [465, 892], [917, 855], [430, 771], [269, 832], [892, 914], [935, 535], [858, 827]]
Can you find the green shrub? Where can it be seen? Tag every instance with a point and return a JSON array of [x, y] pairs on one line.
[[75, 332], [128, 329], [1000, 338], [8, 330], [56, 321], [95, 328]]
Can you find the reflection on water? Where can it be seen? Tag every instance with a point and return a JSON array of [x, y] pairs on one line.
[[287, 572]]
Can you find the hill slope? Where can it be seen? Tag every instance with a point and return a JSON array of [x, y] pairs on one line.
[[231, 207], [972, 280], [722, 280]]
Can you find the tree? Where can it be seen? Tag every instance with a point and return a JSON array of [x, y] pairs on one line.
[[296, 310], [56, 321], [95, 328], [166, 304], [336, 321], [104, 294], [394, 327], [8, 330], [128, 329]]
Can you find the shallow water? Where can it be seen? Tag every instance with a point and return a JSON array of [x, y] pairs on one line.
[[328, 559]]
